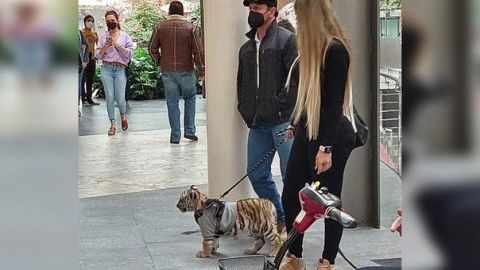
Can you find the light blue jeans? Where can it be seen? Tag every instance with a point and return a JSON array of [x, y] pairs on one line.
[[178, 84], [262, 140], [114, 82]]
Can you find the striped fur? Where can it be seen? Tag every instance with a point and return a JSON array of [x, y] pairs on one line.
[[256, 216]]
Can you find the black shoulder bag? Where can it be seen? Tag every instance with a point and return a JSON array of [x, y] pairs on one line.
[[362, 129]]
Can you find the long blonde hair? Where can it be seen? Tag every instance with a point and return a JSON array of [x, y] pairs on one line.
[[317, 27]]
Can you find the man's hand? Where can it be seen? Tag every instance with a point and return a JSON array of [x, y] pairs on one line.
[[201, 77], [290, 132], [397, 224], [323, 162], [84, 64]]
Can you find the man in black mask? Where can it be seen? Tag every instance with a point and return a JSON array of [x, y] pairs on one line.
[[263, 101]]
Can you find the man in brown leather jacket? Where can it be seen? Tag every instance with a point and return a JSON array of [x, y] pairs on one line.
[[175, 46]]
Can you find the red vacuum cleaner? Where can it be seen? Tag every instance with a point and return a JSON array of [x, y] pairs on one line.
[[317, 203]]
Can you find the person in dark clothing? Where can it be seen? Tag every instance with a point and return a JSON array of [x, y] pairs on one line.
[[87, 81], [322, 121], [264, 104], [83, 57]]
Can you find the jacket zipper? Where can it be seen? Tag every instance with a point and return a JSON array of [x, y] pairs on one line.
[[258, 83], [175, 50]]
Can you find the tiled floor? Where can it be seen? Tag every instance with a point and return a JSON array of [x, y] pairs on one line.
[[129, 185]]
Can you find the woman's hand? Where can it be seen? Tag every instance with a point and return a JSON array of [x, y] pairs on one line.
[[323, 162], [118, 46], [290, 132], [107, 44]]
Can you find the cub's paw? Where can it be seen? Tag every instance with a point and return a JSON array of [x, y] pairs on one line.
[[215, 248], [200, 254]]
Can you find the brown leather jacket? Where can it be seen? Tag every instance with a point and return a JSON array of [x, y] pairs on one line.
[[173, 43]]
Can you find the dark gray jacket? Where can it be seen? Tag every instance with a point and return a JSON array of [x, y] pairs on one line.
[[270, 103]]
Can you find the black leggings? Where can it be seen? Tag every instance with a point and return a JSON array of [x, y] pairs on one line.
[[301, 170]]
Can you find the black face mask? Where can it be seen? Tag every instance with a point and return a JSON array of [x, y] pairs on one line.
[[111, 25], [256, 19]]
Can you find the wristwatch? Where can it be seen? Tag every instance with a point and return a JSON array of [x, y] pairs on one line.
[[325, 149]]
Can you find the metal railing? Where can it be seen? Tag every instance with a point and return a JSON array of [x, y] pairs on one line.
[[391, 119]]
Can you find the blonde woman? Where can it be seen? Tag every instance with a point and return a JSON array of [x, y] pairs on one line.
[[324, 134]]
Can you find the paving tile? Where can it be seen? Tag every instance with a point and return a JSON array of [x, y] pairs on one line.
[[127, 258], [156, 224]]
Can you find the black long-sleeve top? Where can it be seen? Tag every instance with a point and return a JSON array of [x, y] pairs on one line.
[[335, 129]]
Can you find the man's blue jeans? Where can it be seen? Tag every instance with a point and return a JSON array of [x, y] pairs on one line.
[[176, 84], [262, 140]]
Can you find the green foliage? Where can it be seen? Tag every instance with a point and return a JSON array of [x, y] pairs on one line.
[[145, 16], [197, 14], [390, 4], [3, 51], [145, 79], [97, 83]]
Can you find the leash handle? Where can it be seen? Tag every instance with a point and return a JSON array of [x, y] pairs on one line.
[[274, 149]]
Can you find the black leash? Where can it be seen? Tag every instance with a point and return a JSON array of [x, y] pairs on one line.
[[274, 149], [346, 259]]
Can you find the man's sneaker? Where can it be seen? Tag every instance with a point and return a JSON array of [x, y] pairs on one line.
[[192, 137], [324, 264], [85, 104], [174, 140], [290, 262]]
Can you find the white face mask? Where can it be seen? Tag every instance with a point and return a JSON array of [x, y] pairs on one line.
[[89, 25]]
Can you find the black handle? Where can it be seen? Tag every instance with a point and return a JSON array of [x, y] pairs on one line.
[[286, 245], [341, 217]]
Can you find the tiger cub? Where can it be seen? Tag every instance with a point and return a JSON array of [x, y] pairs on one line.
[[216, 218]]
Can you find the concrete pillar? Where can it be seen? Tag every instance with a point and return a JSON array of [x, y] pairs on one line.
[[361, 193], [226, 131]]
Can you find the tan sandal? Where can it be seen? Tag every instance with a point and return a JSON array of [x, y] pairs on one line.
[[125, 124], [111, 131]]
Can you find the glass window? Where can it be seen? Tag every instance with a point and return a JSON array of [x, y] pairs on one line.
[[390, 27]]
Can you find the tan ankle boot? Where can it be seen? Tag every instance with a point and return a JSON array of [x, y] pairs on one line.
[[290, 262], [325, 265]]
